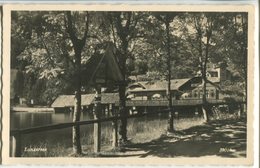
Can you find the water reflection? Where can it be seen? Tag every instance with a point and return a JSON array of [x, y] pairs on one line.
[[21, 120]]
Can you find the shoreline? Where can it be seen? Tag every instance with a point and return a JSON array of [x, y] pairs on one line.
[[32, 109]]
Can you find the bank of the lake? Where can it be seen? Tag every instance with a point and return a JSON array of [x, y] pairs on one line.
[[31, 109], [147, 132], [59, 142]]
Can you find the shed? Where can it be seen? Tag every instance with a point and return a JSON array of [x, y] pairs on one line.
[[64, 102], [109, 98]]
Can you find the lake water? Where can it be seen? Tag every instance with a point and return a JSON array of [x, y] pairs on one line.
[[62, 137], [21, 120]]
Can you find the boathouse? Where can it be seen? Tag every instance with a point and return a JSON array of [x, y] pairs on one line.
[[65, 103]]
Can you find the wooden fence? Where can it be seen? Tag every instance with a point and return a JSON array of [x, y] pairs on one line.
[[16, 134]]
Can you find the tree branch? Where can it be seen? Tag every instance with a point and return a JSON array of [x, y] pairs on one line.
[[86, 28], [70, 28]]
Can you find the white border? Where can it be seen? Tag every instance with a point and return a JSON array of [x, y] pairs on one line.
[[162, 161]]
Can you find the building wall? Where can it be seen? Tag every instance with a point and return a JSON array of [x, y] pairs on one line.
[[191, 89], [197, 93], [148, 95]]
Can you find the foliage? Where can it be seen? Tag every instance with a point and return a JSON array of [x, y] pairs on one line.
[[41, 46]]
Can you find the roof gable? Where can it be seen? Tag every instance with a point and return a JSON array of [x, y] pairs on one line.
[[104, 65]]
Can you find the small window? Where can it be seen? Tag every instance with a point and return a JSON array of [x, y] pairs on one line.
[[195, 94], [212, 93], [214, 74], [207, 93], [201, 94], [189, 95]]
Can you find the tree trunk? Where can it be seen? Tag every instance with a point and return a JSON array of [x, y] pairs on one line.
[[204, 99], [78, 45], [76, 129], [77, 106], [240, 111], [204, 78], [122, 90], [123, 114], [170, 127], [205, 114], [97, 113]]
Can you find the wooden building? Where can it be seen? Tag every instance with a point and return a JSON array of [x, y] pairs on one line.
[[152, 90], [65, 103], [190, 88], [217, 73]]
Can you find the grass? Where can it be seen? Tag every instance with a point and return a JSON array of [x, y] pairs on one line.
[[225, 115], [140, 130]]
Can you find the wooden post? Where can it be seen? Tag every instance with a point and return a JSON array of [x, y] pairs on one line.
[[196, 112], [16, 145], [115, 136], [97, 126], [240, 111], [205, 116], [176, 114], [115, 127], [145, 109]]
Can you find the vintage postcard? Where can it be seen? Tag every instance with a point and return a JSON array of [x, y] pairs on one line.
[[128, 84]]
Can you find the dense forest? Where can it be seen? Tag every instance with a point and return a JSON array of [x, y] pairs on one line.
[[157, 45]]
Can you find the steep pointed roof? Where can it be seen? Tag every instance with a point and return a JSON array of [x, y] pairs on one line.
[[103, 65]]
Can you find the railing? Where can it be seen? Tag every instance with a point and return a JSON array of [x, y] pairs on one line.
[[186, 102], [16, 134]]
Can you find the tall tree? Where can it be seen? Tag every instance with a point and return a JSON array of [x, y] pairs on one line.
[[41, 53], [236, 51], [200, 24], [55, 52], [78, 45], [124, 31], [166, 19], [202, 28]]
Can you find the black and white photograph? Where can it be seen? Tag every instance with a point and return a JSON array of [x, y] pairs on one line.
[[126, 84]]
